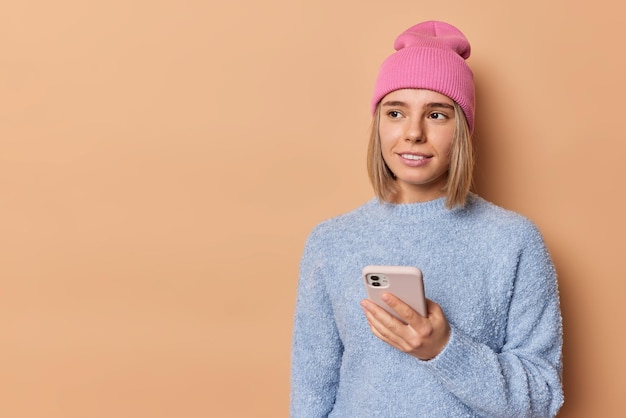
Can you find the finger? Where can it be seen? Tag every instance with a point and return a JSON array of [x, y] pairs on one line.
[[404, 311], [376, 316], [384, 333], [434, 310], [384, 325]]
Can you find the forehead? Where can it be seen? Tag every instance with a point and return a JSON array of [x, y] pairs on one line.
[[417, 96]]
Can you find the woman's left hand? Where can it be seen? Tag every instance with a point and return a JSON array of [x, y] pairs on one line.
[[421, 337]]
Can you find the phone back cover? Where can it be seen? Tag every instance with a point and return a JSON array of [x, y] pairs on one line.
[[405, 282]]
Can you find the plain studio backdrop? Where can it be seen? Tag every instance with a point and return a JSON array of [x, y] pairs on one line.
[[162, 162]]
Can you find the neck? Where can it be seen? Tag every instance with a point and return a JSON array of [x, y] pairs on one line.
[[409, 193]]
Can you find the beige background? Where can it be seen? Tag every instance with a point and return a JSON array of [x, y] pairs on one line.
[[161, 163]]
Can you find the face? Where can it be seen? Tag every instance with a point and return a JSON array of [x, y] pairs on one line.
[[416, 131]]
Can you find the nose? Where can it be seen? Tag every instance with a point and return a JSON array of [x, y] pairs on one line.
[[415, 131]]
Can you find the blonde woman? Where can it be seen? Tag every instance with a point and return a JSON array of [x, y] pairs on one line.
[[490, 345]]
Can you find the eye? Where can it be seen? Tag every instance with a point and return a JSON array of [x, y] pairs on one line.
[[437, 116], [394, 114]]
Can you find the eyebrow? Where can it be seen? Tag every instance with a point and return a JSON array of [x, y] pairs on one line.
[[398, 103]]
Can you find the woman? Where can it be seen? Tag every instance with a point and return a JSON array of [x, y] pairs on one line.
[[490, 345]]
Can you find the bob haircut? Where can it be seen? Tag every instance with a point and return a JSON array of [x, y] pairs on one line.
[[460, 172]]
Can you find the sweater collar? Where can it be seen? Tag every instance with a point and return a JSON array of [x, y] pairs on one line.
[[431, 208]]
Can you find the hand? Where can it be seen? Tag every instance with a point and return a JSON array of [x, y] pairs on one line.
[[421, 337]]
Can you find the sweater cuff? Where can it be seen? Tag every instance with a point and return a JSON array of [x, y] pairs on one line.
[[459, 358]]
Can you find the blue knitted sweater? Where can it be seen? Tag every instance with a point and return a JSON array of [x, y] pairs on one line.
[[488, 269]]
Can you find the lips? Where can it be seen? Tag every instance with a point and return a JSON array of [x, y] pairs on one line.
[[414, 156], [414, 159]]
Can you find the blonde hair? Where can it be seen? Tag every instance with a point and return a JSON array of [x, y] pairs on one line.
[[460, 172]]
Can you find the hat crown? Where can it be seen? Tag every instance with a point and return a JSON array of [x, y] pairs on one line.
[[433, 34]]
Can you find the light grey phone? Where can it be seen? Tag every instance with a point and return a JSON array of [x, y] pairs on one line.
[[406, 282]]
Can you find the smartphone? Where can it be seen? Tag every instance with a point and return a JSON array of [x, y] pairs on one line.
[[405, 282]]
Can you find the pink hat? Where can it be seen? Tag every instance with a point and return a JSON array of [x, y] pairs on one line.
[[430, 55]]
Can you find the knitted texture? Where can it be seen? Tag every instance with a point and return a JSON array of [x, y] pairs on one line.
[[430, 55], [487, 268]]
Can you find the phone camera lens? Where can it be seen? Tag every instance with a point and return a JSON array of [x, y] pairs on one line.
[[374, 278], [375, 283]]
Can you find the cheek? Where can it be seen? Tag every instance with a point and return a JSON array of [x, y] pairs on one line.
[[446, 150], [388, 137], [443, 144]]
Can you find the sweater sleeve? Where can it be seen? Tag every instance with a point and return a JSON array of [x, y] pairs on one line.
[[316, 347], [523, 379]]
